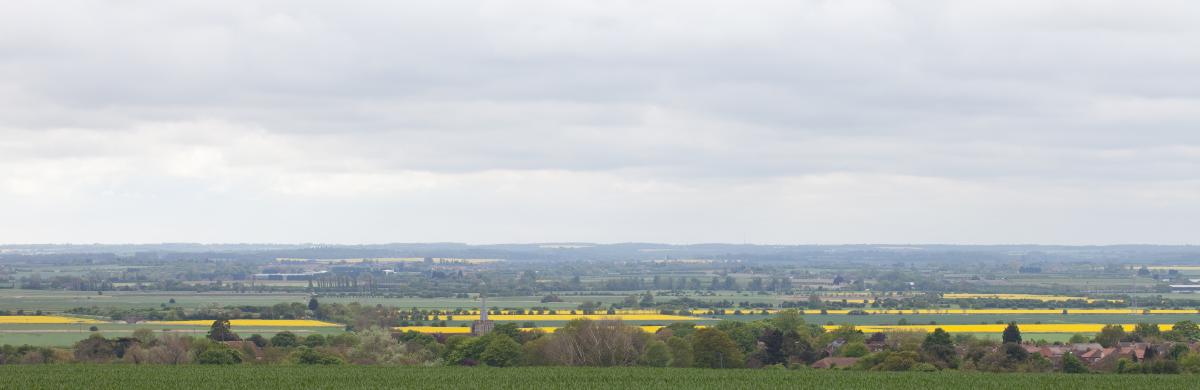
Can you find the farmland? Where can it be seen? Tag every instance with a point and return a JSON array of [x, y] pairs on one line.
[[254, 377], [308, 305]]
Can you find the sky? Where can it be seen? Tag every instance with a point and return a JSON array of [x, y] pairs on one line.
[[775, 122]]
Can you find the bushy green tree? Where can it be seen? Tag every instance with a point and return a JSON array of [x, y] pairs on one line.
[[1186, 331], [314, 340], [501, 351], [898, 361], [656, 354], [856, 349], [222, 331], [1110, 335], [681, 352], [1146, 330], [219, 355], [788, 320], [306, 355], [1072, 365], [939, 348], [1012, 333], [712, 348], [284, 339]]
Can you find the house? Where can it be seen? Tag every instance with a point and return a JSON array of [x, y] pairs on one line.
[[835, 362]]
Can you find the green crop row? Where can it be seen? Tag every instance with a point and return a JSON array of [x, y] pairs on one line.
[[543, 378]]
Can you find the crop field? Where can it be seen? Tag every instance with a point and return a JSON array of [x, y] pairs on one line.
[[1044, 298], [568, 317], [996, 328], [66, 334], [57, 301], [126, 377], [948, 319], [45, 320], [467, 330], [980, 311], [249, 323]]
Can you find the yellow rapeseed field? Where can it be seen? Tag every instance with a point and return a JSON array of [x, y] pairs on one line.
[[1044, 298], [434, 329], [568, 317], [993, 328], [983, 311], [466, 330], [46, 320], [251, 322]]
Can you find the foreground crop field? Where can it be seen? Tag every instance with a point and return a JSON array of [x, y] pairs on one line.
[[367, 377]]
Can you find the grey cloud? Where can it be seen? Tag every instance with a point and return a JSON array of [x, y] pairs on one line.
[[724, 103]]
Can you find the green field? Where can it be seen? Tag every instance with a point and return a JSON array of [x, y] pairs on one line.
[[368, 377], [65, 335]]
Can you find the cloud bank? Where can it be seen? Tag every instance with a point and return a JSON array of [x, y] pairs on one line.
[[529, 121]]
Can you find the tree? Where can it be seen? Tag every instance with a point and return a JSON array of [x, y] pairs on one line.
[[170, 349], [258, 340], [284, 339], [585, 342], [220, 356], [221, 331], [1186, 331], [681, 352], [898, 361], [1110, 335], [1012, 333], [772, 352], [798, 345], [656, 354], [1072, 365], [314, 305], [502, 351], [742, 333], [146, 336], [647, 300], [306, 355], [95, 348], [788, 320], [1078, 338], [939, 347], [1146, 330], [314, 340], [712, 348], [856, 349]]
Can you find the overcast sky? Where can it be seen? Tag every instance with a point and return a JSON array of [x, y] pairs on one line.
[[1071, 122]]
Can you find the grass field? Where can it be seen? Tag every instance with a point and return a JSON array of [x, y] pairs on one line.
[[127, 377], [62, 335], [57, 301]]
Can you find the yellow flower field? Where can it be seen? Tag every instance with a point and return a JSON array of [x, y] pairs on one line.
[[466, 330], [988, 328], [993, 328], [251, 322], [984, 311], [1044, 298], [46, 320], [568, 317]]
